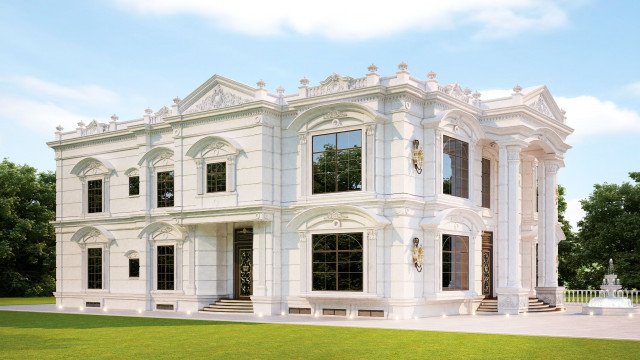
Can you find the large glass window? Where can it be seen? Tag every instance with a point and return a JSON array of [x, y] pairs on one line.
[[94, 268], [455, 262], [216, 177], [337, 162], [486, 183], [165, 189], [455, 167], [94, 196], [134, 185], [337, 262], [165, 267]]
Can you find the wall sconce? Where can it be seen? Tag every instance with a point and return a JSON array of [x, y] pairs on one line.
[[417, 156], [417, 254]]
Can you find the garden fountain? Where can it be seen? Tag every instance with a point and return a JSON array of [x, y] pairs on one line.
[[610, 304]]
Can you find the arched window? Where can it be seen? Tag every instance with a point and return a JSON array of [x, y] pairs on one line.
[[94, 175]]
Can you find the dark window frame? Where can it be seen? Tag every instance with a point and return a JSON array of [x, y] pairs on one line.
[[95, 196], [458, 153], [165, 189], [134, 267], [455, 262], [342, 171], [165, 267], [134, 185], [94, 268], [216, 176], [338, 265], [486, 183]]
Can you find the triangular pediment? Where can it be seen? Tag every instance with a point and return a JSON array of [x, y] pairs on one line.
[[540, 100], [216, 93]]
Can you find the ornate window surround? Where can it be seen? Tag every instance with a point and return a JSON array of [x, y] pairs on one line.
[[157, 160], [94, 237], [338, 219], [94, 168], [133, 254], [455, 221], [133, 171], [213, 149], [161, 233], [332, 118]]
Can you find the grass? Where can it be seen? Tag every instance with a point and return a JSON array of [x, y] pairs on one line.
[[27, 301], [25, 335]]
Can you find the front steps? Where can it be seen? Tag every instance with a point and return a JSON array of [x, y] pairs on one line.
[[229, 306], [535, 305]]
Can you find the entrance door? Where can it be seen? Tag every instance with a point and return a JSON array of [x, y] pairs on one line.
[[243, 264], [487, 264]]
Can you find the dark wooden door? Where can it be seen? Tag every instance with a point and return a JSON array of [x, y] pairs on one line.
[[487, 264], [243, 264]]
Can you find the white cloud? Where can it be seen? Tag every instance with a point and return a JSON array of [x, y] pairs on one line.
[[360, 19], [90, 94], [589, 116], [574, 213], [39, 116]]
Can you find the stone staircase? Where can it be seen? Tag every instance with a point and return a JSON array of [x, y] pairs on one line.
[[229, 306], [535, 305]]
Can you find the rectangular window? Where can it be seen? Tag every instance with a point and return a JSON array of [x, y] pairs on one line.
[[165, 268], [337, 162], [134, 268], [486, 183], [455, 262], [134, 185], [216, 177], [94, 196], [337, 262], [94, 268], [165, 189], [455, 167]]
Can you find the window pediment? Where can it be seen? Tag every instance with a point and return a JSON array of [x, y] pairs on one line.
[[160, 156], [336, 217], [213, 146], [92, 235], [161, 230], [92, 166]]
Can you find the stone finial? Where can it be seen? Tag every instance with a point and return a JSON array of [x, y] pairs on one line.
[[59, 128], [81, 124], [431, 75], [372, 68], [467, 91], [261, 84], [114, 118], [304, 81], [403, 66], [280, 91], [476, 95], [517, 89], [148, 111], [176, 100]]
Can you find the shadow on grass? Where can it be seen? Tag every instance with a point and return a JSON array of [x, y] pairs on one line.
[[28, 320]]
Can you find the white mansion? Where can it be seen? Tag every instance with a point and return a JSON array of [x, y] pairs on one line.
[[373, 196]]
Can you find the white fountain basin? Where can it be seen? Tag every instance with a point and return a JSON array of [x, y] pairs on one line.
[[609, 306]]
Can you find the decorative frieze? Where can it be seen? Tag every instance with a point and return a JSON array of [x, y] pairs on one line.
[[540, 105]]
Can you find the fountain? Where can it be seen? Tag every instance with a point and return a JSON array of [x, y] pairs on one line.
[[611, 304]]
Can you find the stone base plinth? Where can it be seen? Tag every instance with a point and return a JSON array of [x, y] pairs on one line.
[[553, 296], [512, 300], [591, 310]]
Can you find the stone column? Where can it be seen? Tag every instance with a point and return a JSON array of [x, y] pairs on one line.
[[549, 291], [512, 298]]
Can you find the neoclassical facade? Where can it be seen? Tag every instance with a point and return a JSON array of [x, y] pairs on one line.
[[374, 196]]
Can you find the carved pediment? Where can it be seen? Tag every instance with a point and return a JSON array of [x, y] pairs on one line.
[[160, 114], [336, 83], [218, 97], [540, 105], [95, 127]]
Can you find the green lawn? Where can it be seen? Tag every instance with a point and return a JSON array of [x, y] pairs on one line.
[[26, 335], [27, 301]]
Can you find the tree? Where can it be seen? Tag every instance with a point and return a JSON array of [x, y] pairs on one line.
[[567, 259], [27, 239], [610, 230]]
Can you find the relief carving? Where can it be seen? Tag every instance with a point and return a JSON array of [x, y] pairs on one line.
[[218, 98]]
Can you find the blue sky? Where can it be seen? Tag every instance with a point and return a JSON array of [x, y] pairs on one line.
[[62, 62]]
